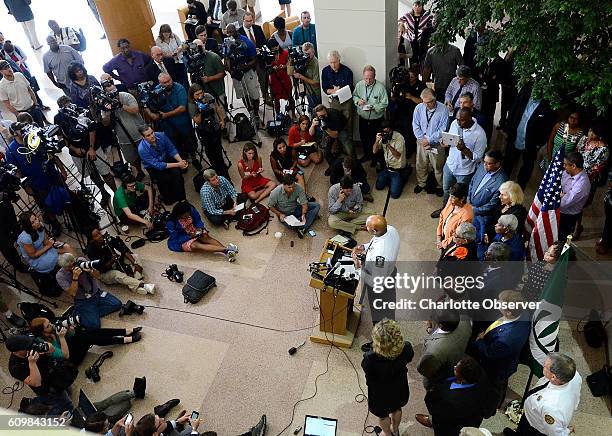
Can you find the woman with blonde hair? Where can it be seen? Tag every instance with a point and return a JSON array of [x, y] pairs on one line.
[[386, 373], [511, 203]]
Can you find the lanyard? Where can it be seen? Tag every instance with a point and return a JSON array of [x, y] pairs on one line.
[[368, 94], [429, 115]]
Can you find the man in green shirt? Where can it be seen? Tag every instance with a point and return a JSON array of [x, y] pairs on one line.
[[310, 78], [212, 75], [131, 199], [290, 199], [371, 101]]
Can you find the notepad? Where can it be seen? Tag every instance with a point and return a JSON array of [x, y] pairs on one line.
[[239, 207], [293, 221], [309, 144], [344, 94]]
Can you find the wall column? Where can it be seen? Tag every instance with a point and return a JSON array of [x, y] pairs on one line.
[[131, 19]]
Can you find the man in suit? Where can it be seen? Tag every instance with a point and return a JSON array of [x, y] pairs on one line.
[[529, 123], [444, 347], [458, 401], [159, 64], [498, 348], [256, 35], [483, 194]]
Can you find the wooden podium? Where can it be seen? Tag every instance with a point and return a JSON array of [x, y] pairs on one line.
[[338, 318]]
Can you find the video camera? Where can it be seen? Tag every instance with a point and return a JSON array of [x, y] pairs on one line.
[[9, 181], [299, 59], [196, 60], [80, 122], [266, 57], [46, 141], [398, 76], [105, 100], [234, 50], [208, 121], [151, 96]]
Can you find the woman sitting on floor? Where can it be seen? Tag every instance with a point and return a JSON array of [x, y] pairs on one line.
[[186, 232], [250, 167], [298, 136]]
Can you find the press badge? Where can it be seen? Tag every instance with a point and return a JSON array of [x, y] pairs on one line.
[[380, 261]]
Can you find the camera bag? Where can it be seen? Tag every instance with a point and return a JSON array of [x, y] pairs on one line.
[[29, 311], [197, 286], [253, 219], [244, 128]]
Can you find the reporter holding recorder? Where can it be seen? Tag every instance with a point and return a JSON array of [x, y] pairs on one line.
[[90, 302]]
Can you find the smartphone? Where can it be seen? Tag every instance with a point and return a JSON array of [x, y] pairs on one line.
[[129, 418], [194, 415], [58, 244], [312, 233]]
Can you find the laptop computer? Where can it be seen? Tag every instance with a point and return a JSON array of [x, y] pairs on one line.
[[84, 409], [320, 426]]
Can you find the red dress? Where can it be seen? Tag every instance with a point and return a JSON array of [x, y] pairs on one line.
[[279, 80], [256, 183], [295, 136]]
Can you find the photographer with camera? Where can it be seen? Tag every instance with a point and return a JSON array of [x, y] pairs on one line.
[[79, 130], [307, 73], [371, 101], [397, 170], [173, 117], [133, 202], [120, 110], [332, 124], [163, 163], [210, 44], [79, 278], [406, 91], [241, 57], [207, 116], [117, 264], [17, 94], [30, 363], [41, 172]]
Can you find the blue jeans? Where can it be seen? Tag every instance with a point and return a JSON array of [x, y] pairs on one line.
[[90, 310], [393, 179], [59, 402], [449, 179], [311, 214]]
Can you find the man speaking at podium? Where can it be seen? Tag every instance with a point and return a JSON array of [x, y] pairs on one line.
[[378, 258]]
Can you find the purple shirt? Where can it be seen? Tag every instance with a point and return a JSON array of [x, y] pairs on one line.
[[576, 191], [129, 74], [88, 286]]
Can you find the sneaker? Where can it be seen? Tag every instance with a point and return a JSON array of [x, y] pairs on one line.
[[301, 233], [140, 290], [233, 247], [136, 337], [231, 256], [436, 213], [260, 428], [226, 224], [439, 192], [368, 197], [149, 287]]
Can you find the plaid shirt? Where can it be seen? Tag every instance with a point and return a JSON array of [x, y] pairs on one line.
[[213, 199]]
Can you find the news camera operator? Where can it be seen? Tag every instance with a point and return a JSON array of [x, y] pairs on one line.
[[10, 182], [206, 68], [79, 131], [406, 88], [173, 118], [209, 121], [307, 71], [70, 341], [332, 124], [31, 363], [120, 111], [396, 170], [117, 264], [43, 170], [79, 278], [241, 57]]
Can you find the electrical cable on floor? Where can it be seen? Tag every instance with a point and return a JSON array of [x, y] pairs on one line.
[[10, 390]]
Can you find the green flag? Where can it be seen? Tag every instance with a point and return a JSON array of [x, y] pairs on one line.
[[543, 338]]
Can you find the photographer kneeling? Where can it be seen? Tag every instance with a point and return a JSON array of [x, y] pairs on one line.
[[116, 263], [396, 171], [133, 201], [73, 342], [30, 363], [80, 281], [209, 121]]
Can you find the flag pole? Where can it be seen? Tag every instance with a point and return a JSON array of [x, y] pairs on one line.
[[527, 388]]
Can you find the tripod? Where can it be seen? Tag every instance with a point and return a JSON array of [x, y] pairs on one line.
[[252, 111], [216, 157], [289, 107], [10, 279], [301, 96]]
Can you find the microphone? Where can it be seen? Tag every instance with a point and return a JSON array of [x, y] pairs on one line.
[[293, 350]]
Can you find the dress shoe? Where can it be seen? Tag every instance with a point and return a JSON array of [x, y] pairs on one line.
[[436, 213], [439, 192], [163, 409], [423, 420], [181, 414], [260, 428], [366, 347], [577, 232], [140, 385], [16, 320], [418, 189], [136, 337], [509, 432], [368, 197]]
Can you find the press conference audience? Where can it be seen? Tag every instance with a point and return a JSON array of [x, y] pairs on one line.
[[282, 35], [187, 233], [128, 66], [133, 202], [539, 271], [299, 135], [345, 207], [463, 82], [209, 44], [219, 198], [16, 93], [456, 211], [347, 166], [289, 199], [234, 14], [565, 134], [283, 160], [575, 190], [163, 163], [172, 49], [335, 76], [510, 203], [56, 62], [80, 84], [305, 32], [442, 61], [90, 302]]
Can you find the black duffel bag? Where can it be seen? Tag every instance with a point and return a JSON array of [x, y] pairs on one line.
[[197, 286]]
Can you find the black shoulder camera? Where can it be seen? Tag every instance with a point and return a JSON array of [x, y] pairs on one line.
[[151, 96], [299, 59], [234, 50], [105, 100]]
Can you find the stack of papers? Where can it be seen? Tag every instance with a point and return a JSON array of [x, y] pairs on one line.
[[293, 221]]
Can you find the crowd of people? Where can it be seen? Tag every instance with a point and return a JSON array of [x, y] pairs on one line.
[[163, 131]]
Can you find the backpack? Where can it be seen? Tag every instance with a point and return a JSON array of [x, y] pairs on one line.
[[197, 286], [82, 41], [158, 233], [198, 181], [253, 219], [29, 311], [244, 129]]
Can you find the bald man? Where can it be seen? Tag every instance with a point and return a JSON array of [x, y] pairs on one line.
[[380, 256], [157, 65], [173, 117]]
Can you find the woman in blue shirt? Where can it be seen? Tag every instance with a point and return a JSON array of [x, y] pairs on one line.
[[35, 246], [505, 230]]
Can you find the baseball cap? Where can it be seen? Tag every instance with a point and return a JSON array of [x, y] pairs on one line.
[[19, 343]]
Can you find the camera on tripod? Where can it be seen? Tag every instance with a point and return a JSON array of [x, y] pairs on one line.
[[233, 50], [299, 59], [196, 60], [105, 100], [266, 57], [151, 96], [46, 141], [80, 122], [398, 76], [10, 182]]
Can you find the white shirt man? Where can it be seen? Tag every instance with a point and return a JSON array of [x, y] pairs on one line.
[[15, 92]]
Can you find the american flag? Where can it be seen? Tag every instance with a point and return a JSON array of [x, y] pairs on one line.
[[543, 217]]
